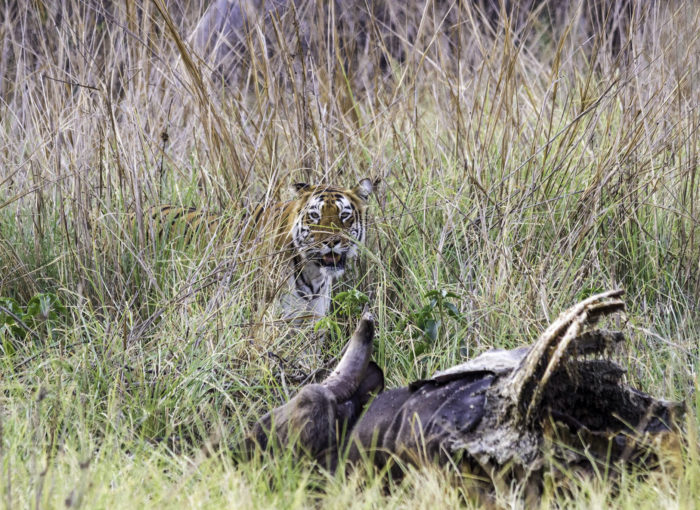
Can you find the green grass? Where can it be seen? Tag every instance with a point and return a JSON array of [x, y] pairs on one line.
[[523, 171]]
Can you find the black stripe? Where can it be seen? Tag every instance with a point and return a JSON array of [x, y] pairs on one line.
[[258, 213]]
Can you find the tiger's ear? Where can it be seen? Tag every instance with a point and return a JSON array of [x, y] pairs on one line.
[[363, 189], [301, 187]]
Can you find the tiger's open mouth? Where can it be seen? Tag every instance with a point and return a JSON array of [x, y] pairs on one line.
[[336, 260]]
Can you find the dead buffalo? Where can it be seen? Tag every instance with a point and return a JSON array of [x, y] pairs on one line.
[[499, 416]]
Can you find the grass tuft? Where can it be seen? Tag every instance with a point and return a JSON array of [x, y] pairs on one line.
[[528, 157]]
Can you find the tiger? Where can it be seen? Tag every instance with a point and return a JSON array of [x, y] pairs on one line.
[[317, 233]]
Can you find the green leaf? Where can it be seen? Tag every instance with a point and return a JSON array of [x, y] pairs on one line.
[[350, 302], [431, 329], [7, 346], [328, 324], [452, 310], [419, 349], [13, 307], [45, 306], [33, 307]]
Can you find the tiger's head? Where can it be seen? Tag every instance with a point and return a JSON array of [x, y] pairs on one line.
[[329, 224]]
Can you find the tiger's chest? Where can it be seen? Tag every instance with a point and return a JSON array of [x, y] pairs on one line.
[[308, 295]]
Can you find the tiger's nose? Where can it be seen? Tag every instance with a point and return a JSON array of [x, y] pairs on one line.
[[333, 243]]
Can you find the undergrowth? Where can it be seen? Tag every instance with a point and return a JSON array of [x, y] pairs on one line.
[[525, 160]]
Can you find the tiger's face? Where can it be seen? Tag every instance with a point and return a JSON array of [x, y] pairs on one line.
[[329, 224]]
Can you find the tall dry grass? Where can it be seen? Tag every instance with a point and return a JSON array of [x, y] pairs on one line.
[[527, 158]]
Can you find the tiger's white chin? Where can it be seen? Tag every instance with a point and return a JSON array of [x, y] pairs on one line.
[[332, 264], [332, 271]]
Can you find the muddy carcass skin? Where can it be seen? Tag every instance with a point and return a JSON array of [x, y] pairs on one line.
[[498, 415]]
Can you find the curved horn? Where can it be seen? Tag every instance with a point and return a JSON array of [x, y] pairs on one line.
[[530, 378], [345, 379]]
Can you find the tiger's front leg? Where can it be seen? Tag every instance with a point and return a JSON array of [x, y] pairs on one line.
[[303, 304], [309, 293], [320, 304]]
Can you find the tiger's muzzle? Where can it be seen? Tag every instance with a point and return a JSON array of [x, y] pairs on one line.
[[333, 255], [334, 260]]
